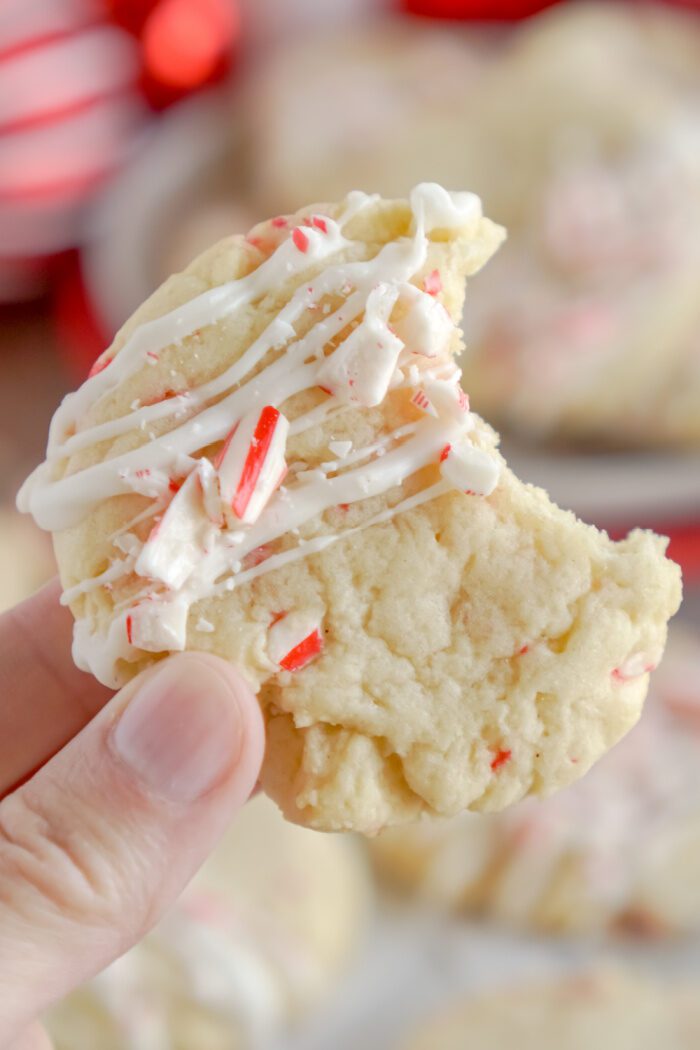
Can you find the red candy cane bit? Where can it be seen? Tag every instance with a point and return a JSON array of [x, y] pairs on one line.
[[343, 506], [319, 223], [262, 439], [445, 453], [300, 239], [325, 389], [525, 649], [500, 758], [280, 222], [433, 283], [129, 629], [420, 400], [276, 617], [174, 485], [99, 366], [303, 653]]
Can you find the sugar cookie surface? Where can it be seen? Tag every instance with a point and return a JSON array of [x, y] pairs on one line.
[[618, 852], [426, 632]]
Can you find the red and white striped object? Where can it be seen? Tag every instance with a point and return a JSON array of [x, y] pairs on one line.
[[252, 464], [178, 541], [294, 640], [157, 626], [634, 667], [70, 110], [469, 469], [447, 400]]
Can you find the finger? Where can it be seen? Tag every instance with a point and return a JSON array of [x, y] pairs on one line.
[[44, 699], [104, 837], [34, 1038]]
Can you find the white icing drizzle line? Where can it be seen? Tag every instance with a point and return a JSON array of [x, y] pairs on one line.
[[210, 518]]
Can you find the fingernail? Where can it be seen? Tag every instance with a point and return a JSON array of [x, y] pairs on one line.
[[180, 733]]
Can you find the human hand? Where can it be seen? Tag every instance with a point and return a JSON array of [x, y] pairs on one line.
[[97, 841]]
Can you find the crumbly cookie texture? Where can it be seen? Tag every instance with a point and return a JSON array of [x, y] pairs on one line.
[[617, 852], [434, 649], [607, 1008]]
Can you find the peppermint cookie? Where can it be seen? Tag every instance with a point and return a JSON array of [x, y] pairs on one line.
[[258, 939], [275, 462], [607, 1009], [617, 852], [596, 171]]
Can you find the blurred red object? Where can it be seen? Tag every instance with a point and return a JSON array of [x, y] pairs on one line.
[[69, 113], [186, 44], [485, 10], [184, 41], [81, 338]]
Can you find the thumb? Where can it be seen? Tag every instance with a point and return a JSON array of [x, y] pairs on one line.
[[102, 839]]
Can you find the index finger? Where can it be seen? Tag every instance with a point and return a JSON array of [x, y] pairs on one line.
[[44, 699]]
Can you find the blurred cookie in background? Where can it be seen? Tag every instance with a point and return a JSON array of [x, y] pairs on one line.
[[258, 939], [617, 853], [604, 1008], [592, 160], [378, 108], [26, 558], [580, 129]]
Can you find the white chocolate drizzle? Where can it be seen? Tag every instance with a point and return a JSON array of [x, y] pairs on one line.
[[211, 517]]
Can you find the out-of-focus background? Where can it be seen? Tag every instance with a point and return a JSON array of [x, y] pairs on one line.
[[133, 133]]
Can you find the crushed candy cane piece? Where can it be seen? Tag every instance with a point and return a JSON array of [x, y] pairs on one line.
[[421, 400], [158, 626], [319, 223], [294, 639], [251, 464], [279, 222], [448, 401], [147, 482], [469, 469], [340, 448], [301, 241], [177, 542], [634, 667], [432, 284], [500, 758], [426, 328], [211, 496], [360, 370]]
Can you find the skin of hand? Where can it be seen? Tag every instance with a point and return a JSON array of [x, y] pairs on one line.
[[109, 803]]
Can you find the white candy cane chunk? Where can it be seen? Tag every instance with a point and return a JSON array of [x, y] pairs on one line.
[[635, 666], [294, 639], [158, 626], [178, 541], [211, 496], [449, 400], [360, 370], [252, 465], [426, 328], [147, 481], [469, 469]]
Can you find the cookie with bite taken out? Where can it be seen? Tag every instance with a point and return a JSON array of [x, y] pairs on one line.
[[275, 462]]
